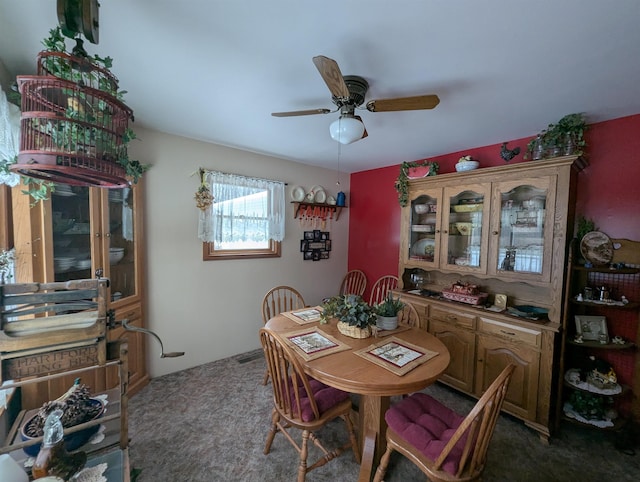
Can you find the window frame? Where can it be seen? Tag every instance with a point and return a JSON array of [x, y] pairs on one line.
[[210, 254], [273, 248]]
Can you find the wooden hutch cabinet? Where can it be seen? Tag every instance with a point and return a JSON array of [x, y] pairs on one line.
[[77, 233], [506, 230]]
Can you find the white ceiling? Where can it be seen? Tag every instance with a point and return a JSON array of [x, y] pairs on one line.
[[214, 70]]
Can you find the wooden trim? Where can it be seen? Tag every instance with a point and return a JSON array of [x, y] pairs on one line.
[[210, 254], [6, 231]]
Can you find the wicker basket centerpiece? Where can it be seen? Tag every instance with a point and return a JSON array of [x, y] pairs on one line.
[[355, 316]]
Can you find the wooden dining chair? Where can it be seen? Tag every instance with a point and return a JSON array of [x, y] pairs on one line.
[[409, 316], [443, 444], [303, 403], [354, 283], [381, 287], [279, 299]]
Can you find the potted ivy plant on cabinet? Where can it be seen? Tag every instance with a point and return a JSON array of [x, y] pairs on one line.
[[564, 138]]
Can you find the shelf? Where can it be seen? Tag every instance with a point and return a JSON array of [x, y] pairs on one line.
[[618, 423], [606, 269], [628, 306], [604, 346], [625, 389], [317, 209]]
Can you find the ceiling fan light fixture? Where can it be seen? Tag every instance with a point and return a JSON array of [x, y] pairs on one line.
[[346, 129]]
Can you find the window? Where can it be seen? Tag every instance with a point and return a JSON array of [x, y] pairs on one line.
[[246, 219]]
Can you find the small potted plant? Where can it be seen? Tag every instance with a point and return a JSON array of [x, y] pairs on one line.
[[355, 316], [388, 312]]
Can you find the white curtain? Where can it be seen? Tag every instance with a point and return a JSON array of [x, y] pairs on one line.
[[9, 137], [227, 191]]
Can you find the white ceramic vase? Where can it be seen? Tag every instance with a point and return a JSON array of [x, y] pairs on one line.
[[387, 322]]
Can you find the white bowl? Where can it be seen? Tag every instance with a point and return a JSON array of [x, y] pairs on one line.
[[115, 255], [421, 208], [467, 166]]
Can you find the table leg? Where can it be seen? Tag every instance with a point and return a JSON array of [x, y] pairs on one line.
[[372, 430]]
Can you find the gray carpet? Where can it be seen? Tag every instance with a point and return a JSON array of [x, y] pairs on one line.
[[209, 423]]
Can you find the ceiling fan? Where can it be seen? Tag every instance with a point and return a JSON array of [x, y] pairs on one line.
[[348, 93]]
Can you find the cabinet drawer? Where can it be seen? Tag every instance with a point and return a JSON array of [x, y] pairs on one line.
[[453, 316], [510, 332]]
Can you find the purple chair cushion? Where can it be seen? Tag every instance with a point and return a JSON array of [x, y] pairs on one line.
[[427, 425], [326, 398]]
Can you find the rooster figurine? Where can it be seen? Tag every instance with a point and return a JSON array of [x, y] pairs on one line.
[[508, 154]]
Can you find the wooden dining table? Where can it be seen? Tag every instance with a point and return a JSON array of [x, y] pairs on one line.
[[375, 384]]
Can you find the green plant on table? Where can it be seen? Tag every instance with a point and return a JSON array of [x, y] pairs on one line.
[[402, 182], [390, 306], [350, 309]]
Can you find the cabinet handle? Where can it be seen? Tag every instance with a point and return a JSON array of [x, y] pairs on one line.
[[507, 333], [97, 235], [437, 230], [495, 233], [108, 235], [445, 231], [452, 318]]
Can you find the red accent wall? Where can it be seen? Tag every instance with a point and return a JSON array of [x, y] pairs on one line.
[[608, 193]]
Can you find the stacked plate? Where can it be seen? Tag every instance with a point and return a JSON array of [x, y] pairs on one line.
[[63, 190], [83, 264], [63, 263]]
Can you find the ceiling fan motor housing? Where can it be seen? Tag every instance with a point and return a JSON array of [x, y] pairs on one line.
[[358, 87]]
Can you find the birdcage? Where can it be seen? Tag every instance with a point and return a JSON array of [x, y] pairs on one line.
[[72, 125]]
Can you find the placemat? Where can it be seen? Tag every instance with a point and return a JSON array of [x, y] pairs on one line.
[[312, 343], [304, 315], [396, 355], [382, 333]]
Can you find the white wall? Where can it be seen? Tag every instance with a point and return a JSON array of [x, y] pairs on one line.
[[211, 309]]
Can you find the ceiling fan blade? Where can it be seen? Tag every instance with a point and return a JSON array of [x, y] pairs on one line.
[[417, 102], [364, 134], [332, 76], [300, 112]]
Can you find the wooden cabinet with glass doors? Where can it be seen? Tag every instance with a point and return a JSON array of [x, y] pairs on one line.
[[77, 233], [504, 229]]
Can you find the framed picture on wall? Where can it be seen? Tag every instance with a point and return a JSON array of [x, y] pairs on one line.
[[308, 235], [304, 245], [316, 235]]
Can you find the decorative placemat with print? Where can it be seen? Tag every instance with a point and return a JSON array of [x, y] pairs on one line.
[[396, 355], [312, 343], [304, 315]]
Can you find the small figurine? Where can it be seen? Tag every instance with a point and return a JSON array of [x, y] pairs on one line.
[[578, 339], [624, 300], [579, 297]]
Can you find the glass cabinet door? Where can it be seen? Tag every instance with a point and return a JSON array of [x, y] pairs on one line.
[[94, 229], [524, 228], [120, 233], [464, 230], [425, 228], [72, 232]]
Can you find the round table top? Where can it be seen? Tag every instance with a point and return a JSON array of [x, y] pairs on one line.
[[352, 373]]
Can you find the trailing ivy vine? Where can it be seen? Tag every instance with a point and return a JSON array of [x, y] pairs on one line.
[[402, 182]]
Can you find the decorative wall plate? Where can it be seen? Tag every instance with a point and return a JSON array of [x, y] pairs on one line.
[[597, 248], [297, 194]]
